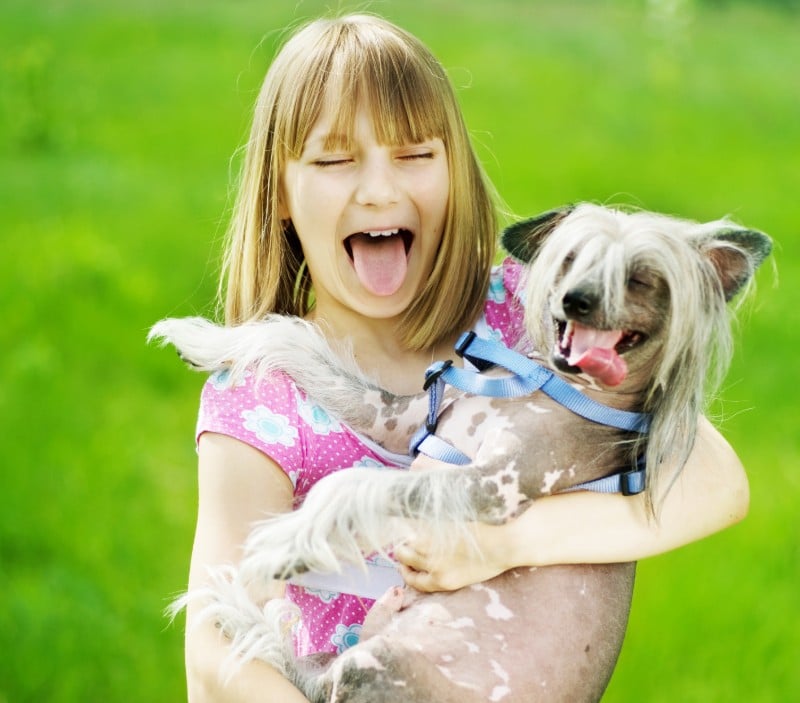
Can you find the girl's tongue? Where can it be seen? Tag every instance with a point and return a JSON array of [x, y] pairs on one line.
[[380, 262]]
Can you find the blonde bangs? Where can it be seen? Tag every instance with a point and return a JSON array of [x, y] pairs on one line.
[[360, 62], [404, 96]]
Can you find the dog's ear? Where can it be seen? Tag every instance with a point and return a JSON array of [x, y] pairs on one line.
[[523, 239], [736, 254]]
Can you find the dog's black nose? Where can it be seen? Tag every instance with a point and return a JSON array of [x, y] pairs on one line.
[[579, 303]]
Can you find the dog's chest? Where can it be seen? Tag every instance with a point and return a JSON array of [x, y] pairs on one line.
[[551, 447]]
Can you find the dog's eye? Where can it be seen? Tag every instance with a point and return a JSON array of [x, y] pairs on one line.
[[642, 278], [639, 283]]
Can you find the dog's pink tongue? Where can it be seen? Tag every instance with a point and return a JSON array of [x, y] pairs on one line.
[[603, 364], [593, 352], [380, 262]]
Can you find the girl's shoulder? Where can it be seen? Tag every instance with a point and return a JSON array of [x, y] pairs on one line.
[[261, 412], [225, 400]]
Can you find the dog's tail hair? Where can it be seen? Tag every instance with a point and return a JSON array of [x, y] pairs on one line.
[[362, 511], [280, 343], [276, 343], [254, 632]]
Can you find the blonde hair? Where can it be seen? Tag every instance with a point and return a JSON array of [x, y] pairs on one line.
[[356, 58]]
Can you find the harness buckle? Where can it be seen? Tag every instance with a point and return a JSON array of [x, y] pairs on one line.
[[464, 341], [462, 349], [434, 371], [632, 482]]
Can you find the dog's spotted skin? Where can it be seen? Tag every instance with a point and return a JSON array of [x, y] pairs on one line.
[[511, 638]]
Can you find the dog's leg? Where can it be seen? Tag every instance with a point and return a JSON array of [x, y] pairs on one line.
[[331, 527], [349, 514], [344, 516], [254, 631]]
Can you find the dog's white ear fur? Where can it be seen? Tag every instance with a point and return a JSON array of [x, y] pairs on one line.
[[523, 239], [736, 254]]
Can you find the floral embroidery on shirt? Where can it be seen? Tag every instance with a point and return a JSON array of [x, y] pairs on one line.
[[221, 380], [269, 427], [367, 462], [324, 596], [318, 419], [497, 289], [345, 636], [495, 335]]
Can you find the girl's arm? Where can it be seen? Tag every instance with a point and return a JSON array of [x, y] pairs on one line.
[[238, 485], [710, 494]]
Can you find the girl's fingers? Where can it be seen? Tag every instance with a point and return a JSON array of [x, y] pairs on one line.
[[410, 557], [421, 580]]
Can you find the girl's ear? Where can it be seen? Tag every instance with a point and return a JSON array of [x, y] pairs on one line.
[[523, 239], [736, 254]]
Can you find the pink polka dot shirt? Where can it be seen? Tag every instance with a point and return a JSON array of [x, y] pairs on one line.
[[277, 418]]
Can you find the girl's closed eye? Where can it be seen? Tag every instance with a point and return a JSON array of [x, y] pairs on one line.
[[327, 161], [416, 153], [421, 155]]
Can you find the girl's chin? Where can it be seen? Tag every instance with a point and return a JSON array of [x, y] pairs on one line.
[[383, 306]]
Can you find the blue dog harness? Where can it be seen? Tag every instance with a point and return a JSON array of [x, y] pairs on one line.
[[526, 377]]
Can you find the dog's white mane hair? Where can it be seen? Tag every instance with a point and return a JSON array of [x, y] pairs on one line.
[[607, 245]]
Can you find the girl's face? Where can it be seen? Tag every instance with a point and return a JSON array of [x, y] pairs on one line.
[[369, 217]]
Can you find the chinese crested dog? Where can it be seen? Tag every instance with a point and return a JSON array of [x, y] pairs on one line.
[[631, 309]]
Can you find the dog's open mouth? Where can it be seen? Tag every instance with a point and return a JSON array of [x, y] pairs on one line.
[[595, 352]]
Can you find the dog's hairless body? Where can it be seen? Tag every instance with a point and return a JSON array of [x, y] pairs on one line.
[[604, 302], [480, 637]]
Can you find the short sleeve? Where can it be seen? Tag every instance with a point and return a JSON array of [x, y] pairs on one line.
[[276, 417], [262, 413]]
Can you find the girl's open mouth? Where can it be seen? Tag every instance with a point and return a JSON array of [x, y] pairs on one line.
[[380, 258]]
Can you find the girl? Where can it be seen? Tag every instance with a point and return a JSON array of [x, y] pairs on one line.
[[363, 208]]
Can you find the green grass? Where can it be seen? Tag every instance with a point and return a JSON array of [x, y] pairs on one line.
[[117, 126]]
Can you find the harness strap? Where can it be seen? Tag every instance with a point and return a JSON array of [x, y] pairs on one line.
[[527, 377], [628, 483], [427, 443]]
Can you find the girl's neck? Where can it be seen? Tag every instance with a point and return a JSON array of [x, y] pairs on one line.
[[379, 353]]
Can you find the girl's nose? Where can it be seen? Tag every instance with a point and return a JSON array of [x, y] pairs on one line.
[[377, 183]]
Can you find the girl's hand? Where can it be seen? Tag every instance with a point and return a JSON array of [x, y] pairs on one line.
[[472, 560]]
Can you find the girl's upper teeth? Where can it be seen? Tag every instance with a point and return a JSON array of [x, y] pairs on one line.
[[382, 232]]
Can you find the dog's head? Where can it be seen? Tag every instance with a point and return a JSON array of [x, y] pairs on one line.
[[620, 296]]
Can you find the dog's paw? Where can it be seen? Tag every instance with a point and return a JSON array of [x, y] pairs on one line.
[[298, 542], [290, 569]]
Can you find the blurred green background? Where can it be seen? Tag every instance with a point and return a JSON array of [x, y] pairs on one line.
[[118, 123]]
